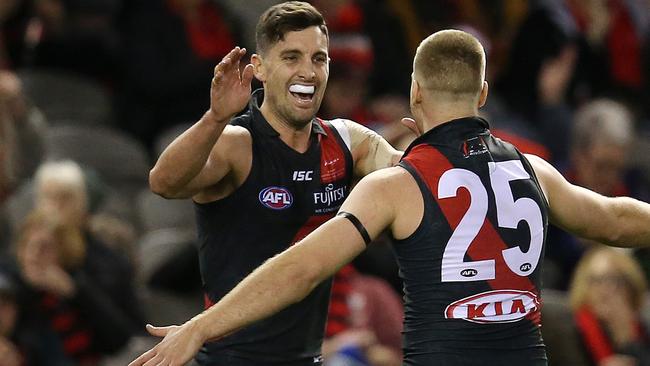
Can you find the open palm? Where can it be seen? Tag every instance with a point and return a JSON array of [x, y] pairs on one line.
[[231, 88]]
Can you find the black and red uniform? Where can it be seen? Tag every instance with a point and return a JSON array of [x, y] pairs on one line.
[[472, 268], [286, 196]]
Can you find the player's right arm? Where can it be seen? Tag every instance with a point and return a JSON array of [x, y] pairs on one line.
[[616, 221], [202, 156]]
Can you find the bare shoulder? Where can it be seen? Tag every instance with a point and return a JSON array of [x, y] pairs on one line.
[[388, 180], [540, 165], [234, 144], [545, 172], [395, 192], [235, 135]]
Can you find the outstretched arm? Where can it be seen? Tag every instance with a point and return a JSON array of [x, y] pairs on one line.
[[193, 161], [616, 221], [285, 279]]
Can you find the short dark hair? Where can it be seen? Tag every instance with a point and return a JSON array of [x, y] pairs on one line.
[[286, 17]]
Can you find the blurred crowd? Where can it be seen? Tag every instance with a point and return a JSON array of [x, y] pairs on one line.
[[91, 91]]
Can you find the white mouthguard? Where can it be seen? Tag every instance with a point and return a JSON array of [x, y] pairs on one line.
[[302, 89]]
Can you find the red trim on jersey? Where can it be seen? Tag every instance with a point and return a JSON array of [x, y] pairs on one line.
[[312, 224], [207, 303], [332, 161], [430, 164]]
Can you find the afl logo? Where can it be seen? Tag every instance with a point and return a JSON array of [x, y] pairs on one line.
[[276, 198], [469, 272]]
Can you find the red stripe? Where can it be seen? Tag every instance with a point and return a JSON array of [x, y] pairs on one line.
[[312, 224], [332, 161], [430, 164], [207, 302]]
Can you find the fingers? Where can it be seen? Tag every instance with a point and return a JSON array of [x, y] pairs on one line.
[[411, 125], [229, 63], [147, 356], [158, 331], [247, 74], [155, 361]]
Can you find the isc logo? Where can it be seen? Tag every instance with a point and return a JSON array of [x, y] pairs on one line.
[[499, 306], [276, 198], [302, 175]]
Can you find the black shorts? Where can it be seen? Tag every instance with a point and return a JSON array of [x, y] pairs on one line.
[[228, 359]]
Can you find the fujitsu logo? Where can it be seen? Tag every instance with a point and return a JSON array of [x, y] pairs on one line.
[[330, 195], [499, 306]]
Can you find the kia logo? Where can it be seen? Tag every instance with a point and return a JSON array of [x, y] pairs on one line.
[[497, 306]]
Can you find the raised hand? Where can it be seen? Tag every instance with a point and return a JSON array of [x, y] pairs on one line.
[[231, 88]]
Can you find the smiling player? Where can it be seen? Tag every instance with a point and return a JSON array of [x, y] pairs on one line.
[[266, 179]]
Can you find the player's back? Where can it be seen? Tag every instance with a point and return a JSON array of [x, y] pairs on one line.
[[472, 268]]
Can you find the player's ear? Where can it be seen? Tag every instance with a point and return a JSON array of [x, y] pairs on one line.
[[416, 92], [483, 96], [258, 67]]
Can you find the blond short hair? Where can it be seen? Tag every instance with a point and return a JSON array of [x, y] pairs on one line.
[[621, 263], [65, 172], [450, 61]]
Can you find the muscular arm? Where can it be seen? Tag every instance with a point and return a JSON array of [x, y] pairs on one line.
[[369, 150], [616, 221], [285, 279], [195, 160]]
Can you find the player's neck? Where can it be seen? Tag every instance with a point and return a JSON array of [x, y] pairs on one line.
[[296, 137], [436, 114]]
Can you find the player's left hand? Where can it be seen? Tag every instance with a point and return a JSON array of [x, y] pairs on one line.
[[179, 345]]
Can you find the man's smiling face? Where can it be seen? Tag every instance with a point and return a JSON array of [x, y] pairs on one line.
[[294, 72]]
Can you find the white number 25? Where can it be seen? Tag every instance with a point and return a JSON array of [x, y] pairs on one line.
[[509, 213]]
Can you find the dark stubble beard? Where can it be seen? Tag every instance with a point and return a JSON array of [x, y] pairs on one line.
[[286, 116]]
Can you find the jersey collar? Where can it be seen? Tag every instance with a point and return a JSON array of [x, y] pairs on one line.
[[452, 127]]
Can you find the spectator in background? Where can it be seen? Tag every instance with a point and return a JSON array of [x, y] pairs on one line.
[[607, 294], [607, 37], [364, 321], [72, 304], [602, 134], [171, 49], [76, 36], [368, 34], [62, 190]]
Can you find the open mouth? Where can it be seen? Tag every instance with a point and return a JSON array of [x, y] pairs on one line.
[[304, 93]]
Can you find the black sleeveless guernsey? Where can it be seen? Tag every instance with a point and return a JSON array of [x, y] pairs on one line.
[[285, 197], [472, 268]]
